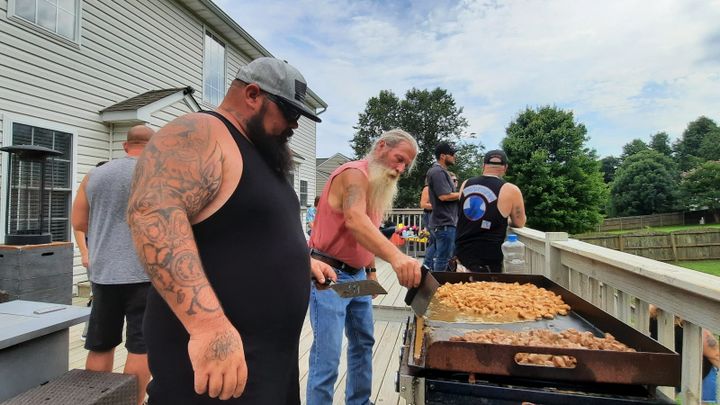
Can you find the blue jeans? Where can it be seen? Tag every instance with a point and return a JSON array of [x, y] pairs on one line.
[[444, 246], [709, 386], [329, 315]]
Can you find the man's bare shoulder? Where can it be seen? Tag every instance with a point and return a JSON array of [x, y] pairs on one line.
[[512, 189], [352, 175], [191, 130], [181, 164]]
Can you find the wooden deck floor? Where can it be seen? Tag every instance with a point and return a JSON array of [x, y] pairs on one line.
[[390, 314]]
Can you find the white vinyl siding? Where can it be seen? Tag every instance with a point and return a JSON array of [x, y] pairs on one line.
[[213, 70], [60, 17], [303, 143], [128, 48]]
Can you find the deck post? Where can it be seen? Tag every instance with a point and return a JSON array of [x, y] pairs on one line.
[[554, 270], [691, 388]]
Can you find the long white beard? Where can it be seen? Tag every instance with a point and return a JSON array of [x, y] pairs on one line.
[[383, 188]]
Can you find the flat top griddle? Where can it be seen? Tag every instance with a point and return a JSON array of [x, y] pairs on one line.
[[652, 364]]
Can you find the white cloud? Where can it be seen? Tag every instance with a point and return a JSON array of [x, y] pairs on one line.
[[626, 68]]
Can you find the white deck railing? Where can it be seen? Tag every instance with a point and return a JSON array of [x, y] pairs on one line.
[[625, 285]]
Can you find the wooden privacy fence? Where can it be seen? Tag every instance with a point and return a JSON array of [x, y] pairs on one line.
[[700, 244], [708, 216], [642, 221]]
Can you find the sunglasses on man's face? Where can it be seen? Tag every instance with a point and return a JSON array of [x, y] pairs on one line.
[[290, 113]]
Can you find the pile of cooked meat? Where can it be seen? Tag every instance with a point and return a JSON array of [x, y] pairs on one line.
[[568, 339], [502, 302]]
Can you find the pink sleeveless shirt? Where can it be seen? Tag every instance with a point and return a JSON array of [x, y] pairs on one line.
[[329, 234]]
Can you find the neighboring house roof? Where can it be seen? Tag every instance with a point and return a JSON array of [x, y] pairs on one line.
[[140, 107], [327, 165], [230, 30]]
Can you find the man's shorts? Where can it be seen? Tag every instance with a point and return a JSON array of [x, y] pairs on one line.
[[111, 305]]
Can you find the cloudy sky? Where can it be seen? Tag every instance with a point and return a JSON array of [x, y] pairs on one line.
[[628, 69]]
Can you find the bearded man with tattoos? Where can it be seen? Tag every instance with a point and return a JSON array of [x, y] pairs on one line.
[[345, 235], [217, 226]]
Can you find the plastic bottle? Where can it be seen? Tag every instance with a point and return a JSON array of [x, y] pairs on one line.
[[513, 255]]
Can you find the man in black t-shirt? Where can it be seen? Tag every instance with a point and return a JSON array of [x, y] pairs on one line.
[[443, 198]]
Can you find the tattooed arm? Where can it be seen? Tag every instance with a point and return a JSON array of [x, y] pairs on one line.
[[517, 214], [351, 188], [179, 173]]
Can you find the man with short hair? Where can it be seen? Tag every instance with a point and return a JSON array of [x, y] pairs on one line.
[[346, 236], [487, 202], [217, 227], [443, 199], [118, 281]]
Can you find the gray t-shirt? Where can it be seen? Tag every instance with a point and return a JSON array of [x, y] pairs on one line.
[[112, 255], [439, 183]]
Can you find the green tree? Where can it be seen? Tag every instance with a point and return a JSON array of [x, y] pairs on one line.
[[645, 183], [660, 142], [701, 187], [560, 178], [431, 116], [633, 147], [381, 114], [687, 149], [608, 166], [469, 161], [710, 146]]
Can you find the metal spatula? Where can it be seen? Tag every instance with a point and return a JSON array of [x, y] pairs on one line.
[[419, 297], [352, 289]]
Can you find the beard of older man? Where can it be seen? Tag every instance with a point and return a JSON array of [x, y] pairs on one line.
[[383, 186], [273, 148]]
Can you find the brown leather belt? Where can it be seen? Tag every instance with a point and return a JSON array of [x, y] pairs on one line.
[[333, 262]]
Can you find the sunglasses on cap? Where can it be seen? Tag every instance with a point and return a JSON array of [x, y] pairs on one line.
[[290, 113]]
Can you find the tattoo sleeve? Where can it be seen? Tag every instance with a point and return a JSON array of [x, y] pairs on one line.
[[353, 195], [179, 172]]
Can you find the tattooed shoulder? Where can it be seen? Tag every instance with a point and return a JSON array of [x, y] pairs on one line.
[[185, 161]]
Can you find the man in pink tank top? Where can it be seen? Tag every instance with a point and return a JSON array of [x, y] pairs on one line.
[[346, 236]]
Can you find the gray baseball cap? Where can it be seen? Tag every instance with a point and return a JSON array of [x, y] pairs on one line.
[[280, 79]]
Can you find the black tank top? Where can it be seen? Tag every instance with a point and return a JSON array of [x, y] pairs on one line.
[[256, 258], [481, 227]]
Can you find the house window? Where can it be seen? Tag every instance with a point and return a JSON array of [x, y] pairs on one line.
[[61, 17], [213, 70], [23, 211], [303, 193]]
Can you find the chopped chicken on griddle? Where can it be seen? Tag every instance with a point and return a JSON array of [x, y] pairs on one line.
[[502, 302], [567, 339]]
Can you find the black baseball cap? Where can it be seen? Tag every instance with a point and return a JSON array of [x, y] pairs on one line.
[[495, 157], [444, 148]]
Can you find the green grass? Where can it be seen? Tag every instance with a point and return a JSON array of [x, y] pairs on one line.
[[667, 229], [705, 266]]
